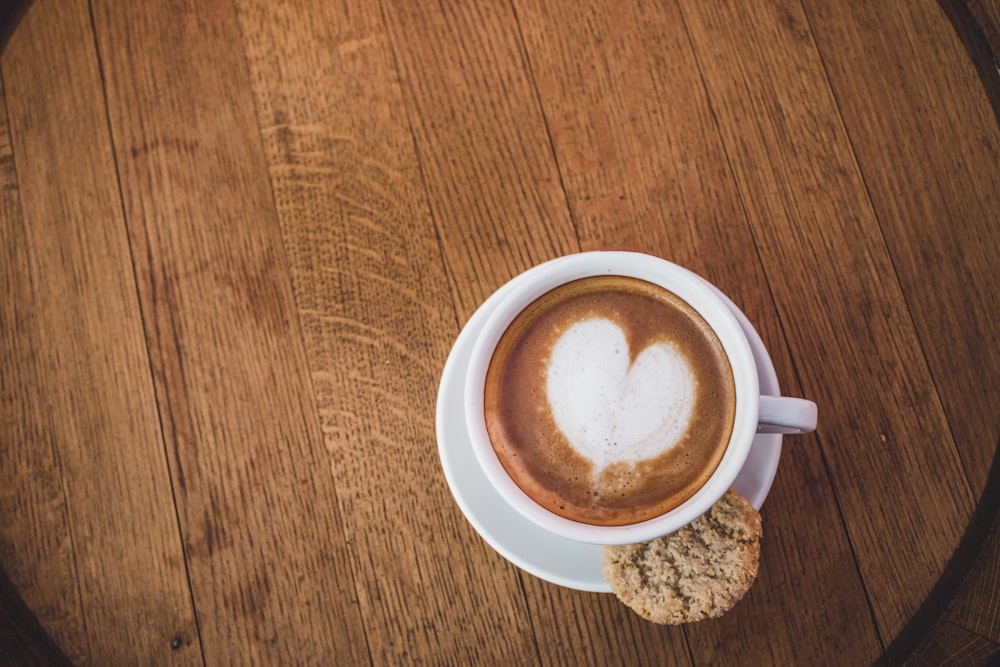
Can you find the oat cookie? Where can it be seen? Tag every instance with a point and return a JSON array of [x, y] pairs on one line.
[[699, 572]]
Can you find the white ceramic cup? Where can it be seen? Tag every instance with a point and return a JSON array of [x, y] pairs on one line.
[[754, 413]]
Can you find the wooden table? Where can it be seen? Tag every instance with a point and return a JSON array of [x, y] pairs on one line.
[[240, 238]]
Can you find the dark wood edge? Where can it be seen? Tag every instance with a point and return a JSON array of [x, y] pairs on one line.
[[10, 15], [31, 639], [981, 38], [923, 628], [974, 29]]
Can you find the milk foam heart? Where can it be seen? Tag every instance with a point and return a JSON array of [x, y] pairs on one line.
[[613, 410]]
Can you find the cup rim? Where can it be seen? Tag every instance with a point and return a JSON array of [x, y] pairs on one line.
[[700, 296]]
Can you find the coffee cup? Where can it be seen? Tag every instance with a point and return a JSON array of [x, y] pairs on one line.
[[612, 397]]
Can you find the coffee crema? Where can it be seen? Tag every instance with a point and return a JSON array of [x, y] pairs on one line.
[[609, 400]]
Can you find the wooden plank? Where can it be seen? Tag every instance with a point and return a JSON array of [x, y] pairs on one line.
[[897, 128], [582, 628], [638, 148], [37, 550], [91, 420], [836, 291], [493, 187], [378, 322], [499, 207], [268, 559], [957, 204]]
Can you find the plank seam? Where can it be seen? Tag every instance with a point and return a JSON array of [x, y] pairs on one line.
[[781, 325], [145, 329]]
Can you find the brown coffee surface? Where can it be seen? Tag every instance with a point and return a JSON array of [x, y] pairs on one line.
[[537, 454]]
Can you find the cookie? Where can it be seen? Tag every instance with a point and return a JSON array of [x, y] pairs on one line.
[[699, 572]]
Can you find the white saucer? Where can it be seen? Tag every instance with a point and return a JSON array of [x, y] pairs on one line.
[[556, 559]]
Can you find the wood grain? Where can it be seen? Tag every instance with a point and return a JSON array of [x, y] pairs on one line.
[[884, 110], [268, 559], [32, 495], [587, 629], [838, 269], [484, 152], [238, 238], [378, 321], [110, 555]]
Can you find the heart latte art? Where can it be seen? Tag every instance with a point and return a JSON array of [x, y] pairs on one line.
[[612, 409], [609, 400]]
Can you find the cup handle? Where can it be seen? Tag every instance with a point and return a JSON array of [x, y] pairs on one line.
[[783, 414]]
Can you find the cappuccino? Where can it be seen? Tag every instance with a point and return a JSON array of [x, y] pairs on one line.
[[609, 400]]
